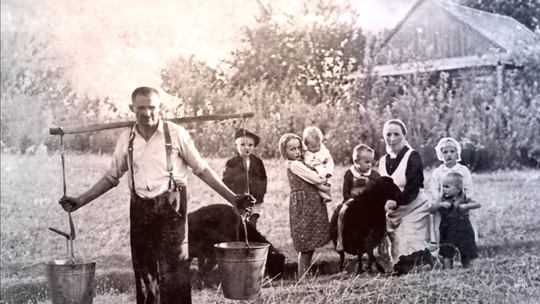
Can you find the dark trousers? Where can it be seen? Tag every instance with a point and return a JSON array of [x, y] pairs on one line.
[[159, 250]]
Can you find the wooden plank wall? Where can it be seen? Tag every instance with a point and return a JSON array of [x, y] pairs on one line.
[[433, 33]]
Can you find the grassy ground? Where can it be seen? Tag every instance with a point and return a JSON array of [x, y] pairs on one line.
[[507, 272]]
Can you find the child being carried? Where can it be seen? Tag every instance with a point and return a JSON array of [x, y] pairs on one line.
[[318, 158]]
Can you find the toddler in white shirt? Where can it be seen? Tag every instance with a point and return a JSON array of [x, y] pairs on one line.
[[318, 158]]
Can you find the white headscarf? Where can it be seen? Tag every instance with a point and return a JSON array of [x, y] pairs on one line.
[[442, 142], [403, 128]]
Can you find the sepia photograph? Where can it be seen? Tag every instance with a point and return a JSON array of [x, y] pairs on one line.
[[270, 151]]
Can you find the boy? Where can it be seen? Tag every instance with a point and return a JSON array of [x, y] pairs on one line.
[[235, 176], [355, 181]]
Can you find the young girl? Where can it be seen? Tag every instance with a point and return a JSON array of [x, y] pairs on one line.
[[318, 158], [455, 228], [235, 177], [355, 181], [308, 216], [449, 152]]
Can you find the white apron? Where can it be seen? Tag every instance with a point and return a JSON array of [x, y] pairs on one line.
[[408, 225]]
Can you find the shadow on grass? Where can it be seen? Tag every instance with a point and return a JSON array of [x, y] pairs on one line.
[[507, 248], [116, 280]]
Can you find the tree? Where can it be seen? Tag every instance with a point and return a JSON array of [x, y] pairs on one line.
[[313, 53], [526, 12]]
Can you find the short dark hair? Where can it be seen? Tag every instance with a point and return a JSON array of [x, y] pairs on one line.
[[144, 91]]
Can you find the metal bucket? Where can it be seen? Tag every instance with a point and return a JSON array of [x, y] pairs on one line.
[[241, 269], [71, 283]]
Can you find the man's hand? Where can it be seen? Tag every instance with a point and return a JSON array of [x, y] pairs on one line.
[[70, 204], [244, 201]]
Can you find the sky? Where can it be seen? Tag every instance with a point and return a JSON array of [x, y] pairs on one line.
[[113, 46]]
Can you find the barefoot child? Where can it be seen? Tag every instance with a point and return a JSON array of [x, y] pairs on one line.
[[355, 181], [449, 152], [318, 158], [308, 216], [235, 177], [455, 228]]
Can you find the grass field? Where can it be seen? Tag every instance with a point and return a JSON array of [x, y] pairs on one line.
[[507, 272]]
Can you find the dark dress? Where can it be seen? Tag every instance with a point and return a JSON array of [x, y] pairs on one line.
[[234, 177], [310, 227], [456, 232]]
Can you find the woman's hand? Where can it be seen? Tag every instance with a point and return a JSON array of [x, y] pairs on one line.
[[390, 205]]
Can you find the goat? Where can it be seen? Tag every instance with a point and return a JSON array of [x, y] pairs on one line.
[[364, 222]]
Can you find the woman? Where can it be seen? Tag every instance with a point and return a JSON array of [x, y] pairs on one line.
[[408, 217], [310, 227]]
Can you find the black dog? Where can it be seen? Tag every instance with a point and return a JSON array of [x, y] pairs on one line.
[[415, 260], [218, 223], [364, 222]]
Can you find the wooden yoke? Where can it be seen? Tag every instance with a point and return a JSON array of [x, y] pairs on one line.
[[126, 124]]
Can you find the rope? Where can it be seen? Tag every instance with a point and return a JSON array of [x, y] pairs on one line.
[[71, 225], [248, 213], [63, 161]]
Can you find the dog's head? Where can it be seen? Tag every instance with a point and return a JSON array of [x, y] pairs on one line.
[[383, 189], [415, 260]]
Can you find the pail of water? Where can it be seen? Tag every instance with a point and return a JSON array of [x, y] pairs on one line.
[[71, 283], [241, 269]]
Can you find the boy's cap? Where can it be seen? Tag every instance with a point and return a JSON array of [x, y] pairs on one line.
[[241, 132]]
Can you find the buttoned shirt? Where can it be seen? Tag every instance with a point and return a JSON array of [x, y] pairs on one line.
[[150, 162]]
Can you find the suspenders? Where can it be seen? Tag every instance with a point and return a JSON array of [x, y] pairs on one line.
[[173, 186]]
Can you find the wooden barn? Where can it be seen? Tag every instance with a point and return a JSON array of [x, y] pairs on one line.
[[443, 36]]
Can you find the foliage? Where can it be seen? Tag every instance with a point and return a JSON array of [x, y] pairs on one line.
[[36, 96], [314, 55], [524, 11]]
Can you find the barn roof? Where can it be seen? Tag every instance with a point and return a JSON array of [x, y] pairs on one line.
[[504, 31]]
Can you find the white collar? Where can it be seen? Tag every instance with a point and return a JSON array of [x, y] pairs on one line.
[[454, 168], [357, 174]]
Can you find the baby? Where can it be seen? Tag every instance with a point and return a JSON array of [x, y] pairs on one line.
[[318, 158]]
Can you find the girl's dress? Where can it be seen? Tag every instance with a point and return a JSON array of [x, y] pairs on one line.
[[456, 231], [310, 227]]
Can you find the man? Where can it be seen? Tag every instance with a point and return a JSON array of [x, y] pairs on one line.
[[156, 154]]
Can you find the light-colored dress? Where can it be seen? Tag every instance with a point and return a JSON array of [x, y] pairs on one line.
[[408, 225], [435, 191], [310, 227]]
